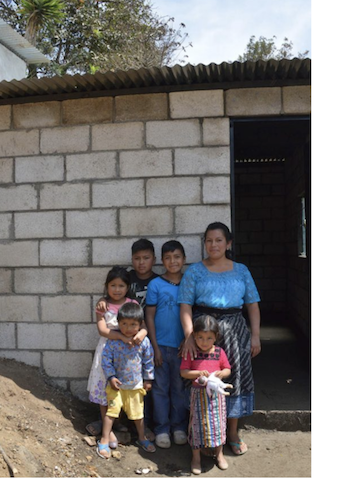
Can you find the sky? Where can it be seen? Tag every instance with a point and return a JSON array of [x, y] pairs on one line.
[[219, 30]]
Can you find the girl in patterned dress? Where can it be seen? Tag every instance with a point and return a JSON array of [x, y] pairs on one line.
[[207, 423], [117, 285]]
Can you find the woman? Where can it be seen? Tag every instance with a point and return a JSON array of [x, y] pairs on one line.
[[219, 287]]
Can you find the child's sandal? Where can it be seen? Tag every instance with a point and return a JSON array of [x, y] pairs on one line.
[[100, 447]]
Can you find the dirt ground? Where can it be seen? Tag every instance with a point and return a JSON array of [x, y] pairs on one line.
[[42, 432]]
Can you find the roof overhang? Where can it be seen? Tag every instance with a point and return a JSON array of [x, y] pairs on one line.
[[16, 43], [260, 74]]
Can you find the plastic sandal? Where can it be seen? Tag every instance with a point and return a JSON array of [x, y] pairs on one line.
[[101, 447], [113, 444], [237, 445], [146, 445]]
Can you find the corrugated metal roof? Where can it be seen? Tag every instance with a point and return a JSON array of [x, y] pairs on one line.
[[176, 78], [18, 45]]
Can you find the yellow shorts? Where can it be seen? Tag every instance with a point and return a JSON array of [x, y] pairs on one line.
[[131, 401]]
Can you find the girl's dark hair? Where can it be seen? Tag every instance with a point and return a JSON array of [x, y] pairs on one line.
[[117, 272], [171, 246], [206, 323], [131, 310], [226, 231]]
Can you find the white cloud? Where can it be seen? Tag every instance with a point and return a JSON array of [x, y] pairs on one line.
[[220, 29]]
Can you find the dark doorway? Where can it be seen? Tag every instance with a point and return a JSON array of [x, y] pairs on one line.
[[271, 224]]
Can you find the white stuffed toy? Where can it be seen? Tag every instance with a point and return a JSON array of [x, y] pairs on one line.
[[214, 385]]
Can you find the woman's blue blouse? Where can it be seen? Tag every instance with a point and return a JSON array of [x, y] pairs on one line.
[[217, 289]]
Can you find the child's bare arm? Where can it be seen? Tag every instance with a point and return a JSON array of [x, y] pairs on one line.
[[101, 305], [194, 374], [150, 321], [224, 373]]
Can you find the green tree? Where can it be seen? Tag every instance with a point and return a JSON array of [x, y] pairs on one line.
[[266, 49], [103, 36], [40, 13]]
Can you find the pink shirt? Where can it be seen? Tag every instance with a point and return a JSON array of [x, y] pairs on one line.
[[211, 362]]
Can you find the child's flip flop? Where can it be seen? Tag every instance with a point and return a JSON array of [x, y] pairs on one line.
[[146, 445], [100, 447], [237, 446]]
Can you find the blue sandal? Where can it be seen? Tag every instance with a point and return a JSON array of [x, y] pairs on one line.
[[146, 445], [100, 447], [236, 446]]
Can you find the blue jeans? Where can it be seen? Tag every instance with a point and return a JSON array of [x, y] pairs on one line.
[[170, 413]]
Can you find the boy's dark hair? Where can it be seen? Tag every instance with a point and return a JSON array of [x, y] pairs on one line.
[[142, 245], [171, 246], [131, 310], [117, 272], [206, 323]]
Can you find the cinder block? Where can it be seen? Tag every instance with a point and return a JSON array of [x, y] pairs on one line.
[[17, 198], [146, 221], [5, 226], [5, 117], [194, 104], [253, 101], [91, 223], [41, 336], [66, 308], [64, 252], [216, 131], [91, 166], [72, 139], [65, 196], [6, 170], [87, 110], [5, 281], [141, 107], [38, 281], [78, 388], [119, 193], [112, 251], [16, 308], [88, 280], [83, 336], [67, 364], [146, 163], [39, 224], [7, 336], [39, 169], [29, 358], [19, 143], [195, 219], [297, 100], [167, 191], [172, 134], [192, 246], [117, 136], [201, 161], [34, 115], [216, 190], [19, 254]]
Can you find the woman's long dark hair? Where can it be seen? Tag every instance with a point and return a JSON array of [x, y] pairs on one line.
[[226, 231]]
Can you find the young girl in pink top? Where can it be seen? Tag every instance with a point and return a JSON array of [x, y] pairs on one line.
[[117, 285], [207, 423]]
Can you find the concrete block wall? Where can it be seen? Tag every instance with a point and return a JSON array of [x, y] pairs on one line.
[[260, 216], [81, 180]]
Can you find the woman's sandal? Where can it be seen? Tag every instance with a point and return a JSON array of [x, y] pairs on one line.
[[100, 447], [94, 428], [238, 448], [146, 445], [195, 470]]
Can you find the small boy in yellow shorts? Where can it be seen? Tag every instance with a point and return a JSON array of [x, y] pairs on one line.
[[129, 370]]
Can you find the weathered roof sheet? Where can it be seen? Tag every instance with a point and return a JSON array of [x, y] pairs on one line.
[[176, 78], [18, 45]]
